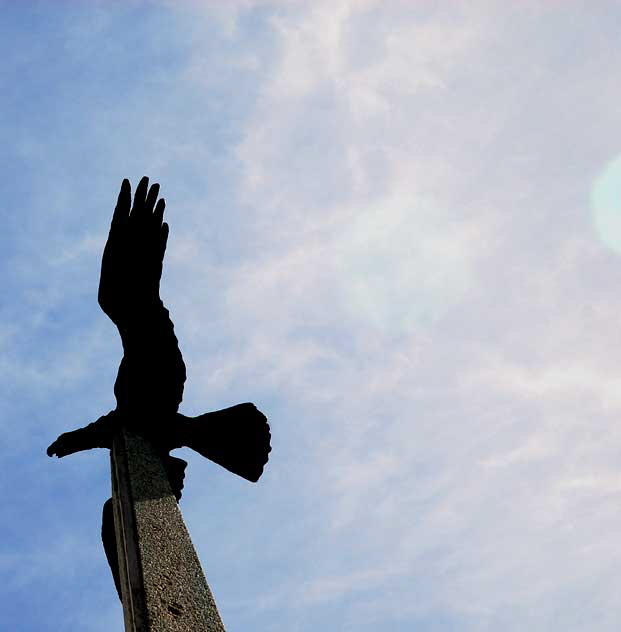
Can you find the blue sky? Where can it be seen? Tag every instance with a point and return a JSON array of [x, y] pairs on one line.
[[394, 227]]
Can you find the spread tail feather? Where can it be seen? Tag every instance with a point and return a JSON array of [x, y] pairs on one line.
[[237, 438]]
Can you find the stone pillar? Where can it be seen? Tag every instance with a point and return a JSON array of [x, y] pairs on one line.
[[163, 585]]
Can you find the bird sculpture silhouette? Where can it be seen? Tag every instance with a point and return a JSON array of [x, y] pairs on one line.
[[151, 375]]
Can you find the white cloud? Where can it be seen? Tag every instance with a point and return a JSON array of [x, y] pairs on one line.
[[417, 296], [416, 308]]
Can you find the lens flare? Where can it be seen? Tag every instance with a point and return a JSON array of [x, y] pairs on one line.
[[606, 205]]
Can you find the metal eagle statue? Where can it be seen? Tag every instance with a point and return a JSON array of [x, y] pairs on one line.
[[149, 384]]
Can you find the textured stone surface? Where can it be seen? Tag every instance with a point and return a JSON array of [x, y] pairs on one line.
[[163, 585]]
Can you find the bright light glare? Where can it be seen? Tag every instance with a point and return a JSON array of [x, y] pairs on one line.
[[403, 267], [606, 205]]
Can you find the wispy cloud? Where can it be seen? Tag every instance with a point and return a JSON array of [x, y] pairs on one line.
[[380, 234]]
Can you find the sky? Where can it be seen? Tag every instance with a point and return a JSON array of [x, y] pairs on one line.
[[395, 226]]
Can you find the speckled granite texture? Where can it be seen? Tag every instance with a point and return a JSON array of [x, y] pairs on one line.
[[163, 585]]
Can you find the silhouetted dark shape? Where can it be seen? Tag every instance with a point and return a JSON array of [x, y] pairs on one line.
[[150, 379]]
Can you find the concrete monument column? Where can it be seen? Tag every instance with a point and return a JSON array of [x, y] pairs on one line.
[[162, 582]]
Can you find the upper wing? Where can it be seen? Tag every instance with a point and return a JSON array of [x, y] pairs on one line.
[[131, 266]]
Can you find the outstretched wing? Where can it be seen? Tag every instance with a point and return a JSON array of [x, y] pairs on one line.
[[149, 383], [131, 266]]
